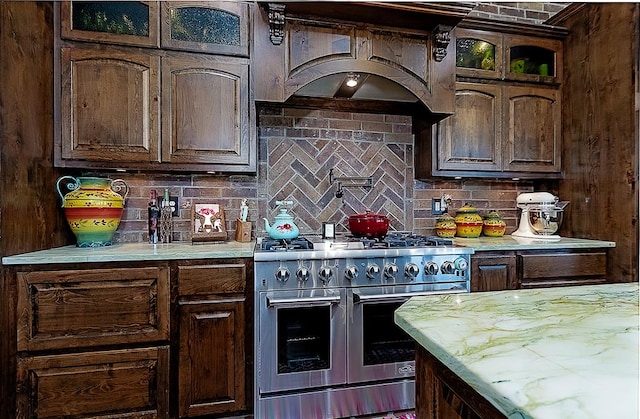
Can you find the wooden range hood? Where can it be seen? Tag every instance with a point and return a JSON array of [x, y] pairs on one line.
[[402, 53]]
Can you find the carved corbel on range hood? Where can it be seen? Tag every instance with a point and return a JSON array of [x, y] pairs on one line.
[[439, 19]]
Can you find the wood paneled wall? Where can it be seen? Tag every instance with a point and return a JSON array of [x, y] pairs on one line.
[[30, 217], [601, 141]]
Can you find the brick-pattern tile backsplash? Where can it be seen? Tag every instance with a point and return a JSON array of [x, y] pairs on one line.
[[297, 148], [299, 156]]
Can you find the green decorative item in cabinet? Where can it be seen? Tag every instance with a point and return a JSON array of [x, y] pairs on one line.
[[493, 225], [475, 53], [445, 226], [468, 222], [93, 208]]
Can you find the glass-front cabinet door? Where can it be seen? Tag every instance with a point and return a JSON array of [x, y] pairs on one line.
[[118, 22], [213, 27], [533, 59], [478, 54]]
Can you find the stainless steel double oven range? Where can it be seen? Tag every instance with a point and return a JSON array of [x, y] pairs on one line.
[[326, 345]]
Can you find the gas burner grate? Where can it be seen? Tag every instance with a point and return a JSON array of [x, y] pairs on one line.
[[403, 240], [282, 245]]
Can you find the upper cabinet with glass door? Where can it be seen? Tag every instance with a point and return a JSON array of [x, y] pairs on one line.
[[491, 55], [478, 54], [212, 27], [215, 27], [533, 59], [117, 22]]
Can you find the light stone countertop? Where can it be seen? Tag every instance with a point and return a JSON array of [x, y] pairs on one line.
[[128, 252], [132, 252], [570, 352], [507, 242]]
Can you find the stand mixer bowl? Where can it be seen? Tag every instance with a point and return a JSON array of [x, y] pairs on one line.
[[545, 221]]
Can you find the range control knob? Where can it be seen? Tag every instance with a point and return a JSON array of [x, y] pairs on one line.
[[282, 274], [351, 272], [431, 268], [372, 270], [303, 274], [411, 270], [447, 267], [326, 274], [461, 264], [390, 270]]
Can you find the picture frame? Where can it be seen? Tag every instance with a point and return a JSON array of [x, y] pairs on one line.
[[207, 222]]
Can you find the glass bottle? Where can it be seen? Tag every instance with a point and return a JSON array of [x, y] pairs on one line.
[[154, 211]]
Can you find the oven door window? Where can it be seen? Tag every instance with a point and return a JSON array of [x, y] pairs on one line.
[[383, 341], [302, 339], [378, 348]]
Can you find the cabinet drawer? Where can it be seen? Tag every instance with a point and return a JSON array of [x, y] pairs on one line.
[[563, 269], [212, 279], [88, 308], [96, 384]]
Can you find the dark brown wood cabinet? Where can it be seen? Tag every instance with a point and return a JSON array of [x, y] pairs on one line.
[[493, 271], [441, 394], [111, 99], [565, 268], [86, 336], [507, 121], [471, 139], [509, 270], [105, 384], [109, 105], [163, 339], [206, 112], [211, 344]]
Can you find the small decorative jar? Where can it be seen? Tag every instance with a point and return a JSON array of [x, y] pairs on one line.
[[446, 226], [493, 225], [468, 222], [93, 208]]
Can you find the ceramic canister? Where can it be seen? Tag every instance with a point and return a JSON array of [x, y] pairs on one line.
[[493, 225], [468, 222], [93, 208], [446, 226]]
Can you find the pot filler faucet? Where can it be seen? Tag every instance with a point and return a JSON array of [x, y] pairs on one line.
[[358, 182]]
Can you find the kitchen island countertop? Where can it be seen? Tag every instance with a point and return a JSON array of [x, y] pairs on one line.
[[133, 252], [508, 242], [568, 352]]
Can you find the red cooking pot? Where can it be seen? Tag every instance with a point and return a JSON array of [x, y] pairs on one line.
[[368, 225]]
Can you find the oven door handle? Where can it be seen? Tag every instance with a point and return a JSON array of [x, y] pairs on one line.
[[302, 301], [400, 296]]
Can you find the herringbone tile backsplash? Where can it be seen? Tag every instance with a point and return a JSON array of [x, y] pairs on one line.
[[297, 148], [302, 146]]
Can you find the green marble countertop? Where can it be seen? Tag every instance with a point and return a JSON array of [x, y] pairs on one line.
[[504, 243], [560, 353], [132, 252]]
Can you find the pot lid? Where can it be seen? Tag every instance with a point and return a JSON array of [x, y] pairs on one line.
[[367, 214], [467, 209]]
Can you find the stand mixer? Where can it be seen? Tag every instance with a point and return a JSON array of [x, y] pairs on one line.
[[541, 215]]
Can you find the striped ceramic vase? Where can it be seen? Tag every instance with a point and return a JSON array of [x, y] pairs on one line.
[[93, 208]]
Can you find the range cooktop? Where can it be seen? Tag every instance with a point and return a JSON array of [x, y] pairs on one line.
[[394, 244]]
